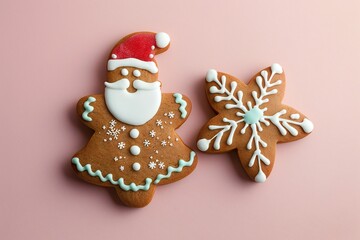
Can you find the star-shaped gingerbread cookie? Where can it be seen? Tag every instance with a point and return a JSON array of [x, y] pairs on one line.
[[251, 119]]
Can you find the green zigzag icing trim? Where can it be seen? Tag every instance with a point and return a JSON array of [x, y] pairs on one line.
[[88, 109], [183, 104], [132, 186], [182, 164]]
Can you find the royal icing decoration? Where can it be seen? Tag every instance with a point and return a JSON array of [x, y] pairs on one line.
[[136, 73], [134, 133], [162, 39], [136, 166], [121, 145], [124, 72], [132, 186], [135, 150], [88, 109], [251, 116], [152, 165], [146, 143], [112, 131], [183, 104], [152, 133], [133, 108], [170, 170]]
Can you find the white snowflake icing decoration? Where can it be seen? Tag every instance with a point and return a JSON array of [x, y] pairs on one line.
[[152, 133], [112, 123], [121, 145], [158, 122], [163, 143], [152, 165], [252, 116], [161, 165], [171, 115], [122, 168], [113, 132], [146, 143]]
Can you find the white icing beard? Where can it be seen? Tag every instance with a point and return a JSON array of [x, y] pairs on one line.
[[133, 108]]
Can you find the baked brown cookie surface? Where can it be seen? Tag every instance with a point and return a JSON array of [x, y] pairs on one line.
[[251, 119], [134, 147]]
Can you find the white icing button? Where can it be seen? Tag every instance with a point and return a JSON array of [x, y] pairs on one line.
[[151, 55], [136, 73], [113, 56], [124, 72], [135, 150], [136, 166], [134, 133]]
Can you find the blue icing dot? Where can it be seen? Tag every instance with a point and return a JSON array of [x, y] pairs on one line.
[[253, 115]]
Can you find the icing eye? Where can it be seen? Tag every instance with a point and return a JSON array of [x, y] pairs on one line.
[[136, 73], [124, 72]]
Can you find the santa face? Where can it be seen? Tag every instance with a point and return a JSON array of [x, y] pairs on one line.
[[135, 108]]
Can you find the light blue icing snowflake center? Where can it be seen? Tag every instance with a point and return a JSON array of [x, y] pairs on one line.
[[253, 115]]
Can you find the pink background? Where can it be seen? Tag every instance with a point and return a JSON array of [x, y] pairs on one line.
[[54, 52]]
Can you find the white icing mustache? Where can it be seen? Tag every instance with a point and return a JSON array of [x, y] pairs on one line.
[[124, 83]]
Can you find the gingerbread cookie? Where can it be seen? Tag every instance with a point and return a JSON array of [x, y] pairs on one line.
[[251, 119], [134, 147]]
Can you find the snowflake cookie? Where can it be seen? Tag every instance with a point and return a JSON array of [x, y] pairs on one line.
[[251, 119], [130, 149]]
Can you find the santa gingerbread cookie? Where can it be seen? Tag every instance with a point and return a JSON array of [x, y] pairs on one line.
[[134, 147], [251, 119]]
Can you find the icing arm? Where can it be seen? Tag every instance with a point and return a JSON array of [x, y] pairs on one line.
[[257, 160], [218, 135], [291, 124], [268, 87], [224, 91]]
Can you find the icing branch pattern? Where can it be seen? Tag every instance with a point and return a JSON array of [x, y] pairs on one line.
[[252, 117]]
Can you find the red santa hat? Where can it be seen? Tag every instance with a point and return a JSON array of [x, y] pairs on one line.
[[138, 50]]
